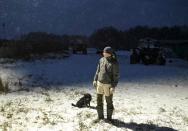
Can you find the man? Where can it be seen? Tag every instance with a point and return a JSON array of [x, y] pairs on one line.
[[105, 81]]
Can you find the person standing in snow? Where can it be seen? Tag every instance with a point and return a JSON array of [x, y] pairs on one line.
[[105, 81]]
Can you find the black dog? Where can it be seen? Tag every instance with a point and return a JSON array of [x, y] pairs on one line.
[[84, 101]]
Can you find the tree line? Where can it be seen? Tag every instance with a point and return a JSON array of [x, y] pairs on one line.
[[129, 38], [41, 42]]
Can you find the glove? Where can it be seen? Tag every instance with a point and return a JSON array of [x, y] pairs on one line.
[[95, 84], [112, 90]]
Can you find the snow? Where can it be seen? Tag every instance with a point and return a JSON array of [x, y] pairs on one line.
[[145, 95]]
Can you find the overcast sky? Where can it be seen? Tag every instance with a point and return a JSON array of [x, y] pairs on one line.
[[85, 16]]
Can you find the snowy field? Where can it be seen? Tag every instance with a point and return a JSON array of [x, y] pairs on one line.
[[148, 98]]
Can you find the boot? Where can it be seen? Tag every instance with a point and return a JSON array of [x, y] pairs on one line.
[[109, 114], [100, 106], [110, 107]]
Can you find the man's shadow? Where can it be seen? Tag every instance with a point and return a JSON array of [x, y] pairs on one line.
[[139, 127], [136, 127]]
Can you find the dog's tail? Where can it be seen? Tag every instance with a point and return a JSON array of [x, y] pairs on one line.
[[74, 105]]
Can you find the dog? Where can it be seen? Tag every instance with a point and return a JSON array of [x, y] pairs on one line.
[[84, 101]]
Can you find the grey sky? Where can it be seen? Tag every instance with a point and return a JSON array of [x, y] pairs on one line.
[[85, 16]]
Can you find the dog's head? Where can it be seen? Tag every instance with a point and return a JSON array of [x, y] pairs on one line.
[[87, 96]]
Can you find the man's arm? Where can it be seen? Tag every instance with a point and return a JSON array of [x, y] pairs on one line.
[[115, 72], [97, 72], [96, 76]]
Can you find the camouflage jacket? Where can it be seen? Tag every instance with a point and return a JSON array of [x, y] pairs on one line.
[[107, 71]]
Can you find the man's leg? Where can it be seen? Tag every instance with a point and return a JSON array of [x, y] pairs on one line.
[[100, 106], [110, 106]]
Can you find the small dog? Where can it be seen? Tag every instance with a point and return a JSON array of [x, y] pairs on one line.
[[84, 101]]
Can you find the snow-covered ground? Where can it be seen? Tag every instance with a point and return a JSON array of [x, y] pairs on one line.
[[147, 97]]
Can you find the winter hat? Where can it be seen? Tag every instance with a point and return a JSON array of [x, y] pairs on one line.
[[108, 49]]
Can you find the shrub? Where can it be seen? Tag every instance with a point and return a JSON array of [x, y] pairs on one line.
[[4, 86]]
